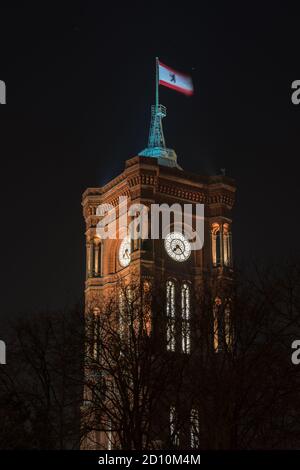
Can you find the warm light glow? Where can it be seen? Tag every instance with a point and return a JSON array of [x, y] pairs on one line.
[[185, 316], [170, 311], [125, 252], [177, 246]]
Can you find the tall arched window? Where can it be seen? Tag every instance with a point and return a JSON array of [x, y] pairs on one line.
[[185, 318], [109, 435], [170, 313], [216, 244], [97, 257], [96, 332], [228, 331], [89, 258], [194, 428], [217, 324], [124, 312], [221, 244], [227, 245], [147, 314], [222, 326], [174, 434]]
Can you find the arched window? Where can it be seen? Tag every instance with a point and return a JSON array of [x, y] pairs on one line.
[[222, 326], [174, 434], [216, 244], [221, 244], [123, 315], [185, 318], [147, 314], [109, 435], [194, 428], [96, 328], [170, 313], [89, 258], [228, 332], [227, 245], [217, 324], [97, 257]]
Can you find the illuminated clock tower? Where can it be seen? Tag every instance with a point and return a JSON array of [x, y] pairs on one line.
[[155, 177]]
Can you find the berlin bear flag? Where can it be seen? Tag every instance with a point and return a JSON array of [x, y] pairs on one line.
[[176, 80]]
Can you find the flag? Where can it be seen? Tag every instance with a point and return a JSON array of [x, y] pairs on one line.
[[176, 80]]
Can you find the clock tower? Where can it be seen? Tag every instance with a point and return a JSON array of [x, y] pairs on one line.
[[169, 261]]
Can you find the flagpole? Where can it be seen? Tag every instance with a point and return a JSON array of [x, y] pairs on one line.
[[156, 86]]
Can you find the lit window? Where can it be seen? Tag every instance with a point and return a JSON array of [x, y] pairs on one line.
[[109, 436], [221, 244], [170, 312], [194, 428], [185, 318], [95, 332], [216, 324], [227, 245], [222, 326], [147, 300], [174, 435], [122, 310], [216, 244], [125, 313], [228, 327]]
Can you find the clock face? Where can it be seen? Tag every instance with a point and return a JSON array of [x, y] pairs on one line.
[[177, 246], [125, 252]]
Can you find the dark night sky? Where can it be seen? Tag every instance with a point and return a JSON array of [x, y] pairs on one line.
[[80, 82]]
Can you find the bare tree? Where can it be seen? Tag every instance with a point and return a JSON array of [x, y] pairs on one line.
[[129, 373], [41, 388], [234, 388], [245, 388]]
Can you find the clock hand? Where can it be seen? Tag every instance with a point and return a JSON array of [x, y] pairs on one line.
[[176, 248]]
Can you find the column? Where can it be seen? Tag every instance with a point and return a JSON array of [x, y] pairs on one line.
[[213, 248], [89, 247], [221, 246], [225, 246], [230, 248], [96, 259], [101, 259]]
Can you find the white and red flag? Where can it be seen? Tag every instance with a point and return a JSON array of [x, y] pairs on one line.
[[176, 80]]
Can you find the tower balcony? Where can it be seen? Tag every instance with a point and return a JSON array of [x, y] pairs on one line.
[[161, 110]]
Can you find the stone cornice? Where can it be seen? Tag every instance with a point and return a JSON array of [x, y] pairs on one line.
[[143, 172]]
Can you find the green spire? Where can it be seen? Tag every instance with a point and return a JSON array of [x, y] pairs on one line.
[[156, 142]]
